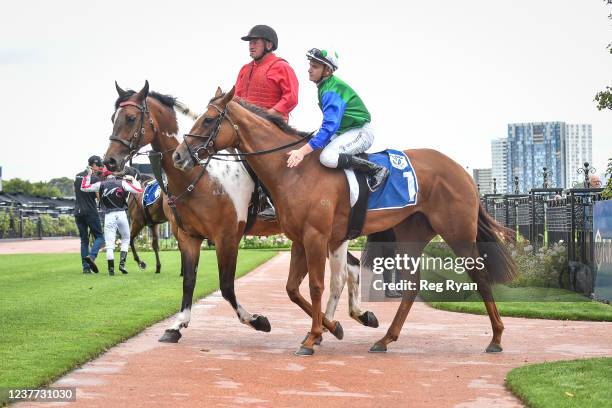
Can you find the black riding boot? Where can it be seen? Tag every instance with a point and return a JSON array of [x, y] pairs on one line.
[[376, 174], [122, 258], [91, 262], [111, 267], [267, 211]]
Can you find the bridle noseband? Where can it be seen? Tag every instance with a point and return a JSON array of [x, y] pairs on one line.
[[134, 143], [209, 143]]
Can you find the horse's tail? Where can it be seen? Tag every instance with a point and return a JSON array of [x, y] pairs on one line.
[[184, 109], [373, 249], [492, 236]]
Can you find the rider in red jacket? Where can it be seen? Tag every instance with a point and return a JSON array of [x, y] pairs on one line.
[[268, 82]]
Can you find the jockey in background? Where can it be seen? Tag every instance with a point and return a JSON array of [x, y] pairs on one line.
[[113, 200], [346, 129]]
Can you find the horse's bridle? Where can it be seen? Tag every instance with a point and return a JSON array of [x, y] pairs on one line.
[[209, 143], [134, 143]]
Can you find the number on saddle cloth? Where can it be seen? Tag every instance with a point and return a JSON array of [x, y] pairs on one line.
[[399, 190]]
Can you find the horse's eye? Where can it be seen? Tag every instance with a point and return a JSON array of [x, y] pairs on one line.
[[131, 119], [208, 121]]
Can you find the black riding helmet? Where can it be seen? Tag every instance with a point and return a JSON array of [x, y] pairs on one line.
[[265, 32]]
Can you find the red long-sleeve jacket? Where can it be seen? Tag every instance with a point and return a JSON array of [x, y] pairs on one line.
[[269, 83]]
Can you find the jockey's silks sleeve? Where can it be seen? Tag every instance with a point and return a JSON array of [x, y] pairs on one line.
[[342, 110], [132, 186], [87, 186], [333, 108]]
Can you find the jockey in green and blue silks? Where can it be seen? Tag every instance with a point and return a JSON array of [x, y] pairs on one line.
[[346, 129]]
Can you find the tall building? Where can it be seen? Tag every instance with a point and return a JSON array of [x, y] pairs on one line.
[[533, 146], [578, 149], [499, 157], [482, 177]]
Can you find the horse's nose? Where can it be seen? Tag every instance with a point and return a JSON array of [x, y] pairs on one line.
[[110, 163]]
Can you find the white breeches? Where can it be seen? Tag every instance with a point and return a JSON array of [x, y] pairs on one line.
[[113, 221]]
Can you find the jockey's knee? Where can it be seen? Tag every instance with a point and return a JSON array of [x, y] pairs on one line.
[[329, 159]]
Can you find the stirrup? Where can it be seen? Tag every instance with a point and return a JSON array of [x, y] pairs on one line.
[[268, 214]]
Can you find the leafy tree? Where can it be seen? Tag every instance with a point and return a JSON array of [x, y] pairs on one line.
[[607, 193], [64, 185], [604, 98], [40, 188]]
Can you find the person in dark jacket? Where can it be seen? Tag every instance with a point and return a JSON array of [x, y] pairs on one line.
[[86, 216]]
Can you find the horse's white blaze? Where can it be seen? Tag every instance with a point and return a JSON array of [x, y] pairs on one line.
[[244, 316], [116, 114], [182, 319], [337, 278], [236, 182]]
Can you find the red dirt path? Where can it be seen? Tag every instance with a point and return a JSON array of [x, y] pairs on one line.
[[40, 246], [437, 362]]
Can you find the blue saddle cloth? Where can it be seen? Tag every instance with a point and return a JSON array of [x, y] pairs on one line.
[[401, 188], [151, 193]]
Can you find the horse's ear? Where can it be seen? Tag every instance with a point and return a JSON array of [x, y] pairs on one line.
[[144, 92], [229, 96], [120, 91], [219, 92]]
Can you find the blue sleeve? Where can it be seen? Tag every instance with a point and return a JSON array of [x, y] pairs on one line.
[[333, 108]]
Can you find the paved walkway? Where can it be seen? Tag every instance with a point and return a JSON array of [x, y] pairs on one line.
[[40, 246], [437, 362]]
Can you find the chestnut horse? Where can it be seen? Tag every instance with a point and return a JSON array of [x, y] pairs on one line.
[[215, 208], [312, 203], [138, 220]]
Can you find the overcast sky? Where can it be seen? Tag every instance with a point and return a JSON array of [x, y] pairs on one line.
[[448, 75]]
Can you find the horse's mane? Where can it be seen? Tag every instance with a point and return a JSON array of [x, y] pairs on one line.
[[262, 113], [166, 100]]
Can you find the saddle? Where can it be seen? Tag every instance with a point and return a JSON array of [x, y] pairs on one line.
[[399, 190]]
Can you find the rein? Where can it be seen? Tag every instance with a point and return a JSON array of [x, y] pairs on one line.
[[209, 144]]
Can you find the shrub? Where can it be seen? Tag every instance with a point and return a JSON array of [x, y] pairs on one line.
[[5, 223], [541, 269]]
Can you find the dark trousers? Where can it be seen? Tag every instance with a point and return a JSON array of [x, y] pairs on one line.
[[87, 223]]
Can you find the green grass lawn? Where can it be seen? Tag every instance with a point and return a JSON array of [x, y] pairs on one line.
[[532, 302], [576, 383], [53, 318]]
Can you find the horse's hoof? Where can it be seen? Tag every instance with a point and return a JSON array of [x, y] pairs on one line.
[[368, 319], [170, 336], [304, 351], [338, 331], [261, 323], [494, 348], [378, 347], [317, 341], [142, 265]]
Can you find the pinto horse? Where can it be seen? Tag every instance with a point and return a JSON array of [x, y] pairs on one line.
[[312, 204], [212, 205]]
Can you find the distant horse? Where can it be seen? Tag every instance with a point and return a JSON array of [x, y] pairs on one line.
[[312, 204], [212, 205], [152, 218]]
